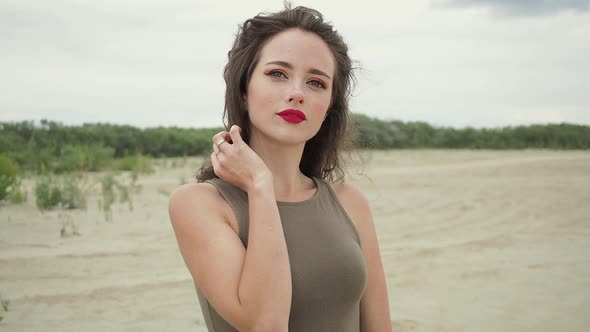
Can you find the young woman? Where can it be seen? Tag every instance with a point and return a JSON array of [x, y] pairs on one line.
[[272, 237]]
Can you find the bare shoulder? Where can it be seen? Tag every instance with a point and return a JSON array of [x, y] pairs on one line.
[[352, 198], [201, 193], [188, 198], [194, 190]]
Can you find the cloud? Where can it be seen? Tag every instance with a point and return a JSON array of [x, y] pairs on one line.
[[518, 7], [150, 63]]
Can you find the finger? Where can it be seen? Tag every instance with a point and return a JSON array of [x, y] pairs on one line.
[[221, 159], [219, 135], [227, 136], [218, 140], [222, 145], [215, 148], [215, 164], [235, 133]]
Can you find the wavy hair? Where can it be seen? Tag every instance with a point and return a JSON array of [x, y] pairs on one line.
[[322, 155]]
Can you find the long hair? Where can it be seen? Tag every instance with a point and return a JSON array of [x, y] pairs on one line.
[[322, 155]]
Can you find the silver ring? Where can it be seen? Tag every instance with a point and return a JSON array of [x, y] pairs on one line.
[[217, 152]]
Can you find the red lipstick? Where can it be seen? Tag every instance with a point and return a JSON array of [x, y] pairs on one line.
[[293, 116]]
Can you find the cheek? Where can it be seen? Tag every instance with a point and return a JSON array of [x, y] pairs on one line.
[[258, 99], [320, 107]]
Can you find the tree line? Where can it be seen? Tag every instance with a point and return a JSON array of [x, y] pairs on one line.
[[50, 145], [379, 134]]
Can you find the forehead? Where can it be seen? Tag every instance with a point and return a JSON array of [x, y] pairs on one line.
[[300, 48]]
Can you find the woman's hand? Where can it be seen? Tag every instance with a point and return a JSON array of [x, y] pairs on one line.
[[235, 162]]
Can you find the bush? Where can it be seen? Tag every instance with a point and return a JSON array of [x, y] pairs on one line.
[[113, 187], [107, 183], [4, 303], [7, 176], [51, 193], [73, 158], [47, 193], [135, 163], [83, 158], [72, 196], [98, 157], [17, 194]]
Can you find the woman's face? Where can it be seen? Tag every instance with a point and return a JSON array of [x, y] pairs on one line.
[[294, 72]]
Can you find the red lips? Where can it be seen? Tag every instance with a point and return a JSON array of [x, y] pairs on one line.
[[293, 116]]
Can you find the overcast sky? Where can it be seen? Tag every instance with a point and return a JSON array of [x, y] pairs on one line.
[[148, 63]]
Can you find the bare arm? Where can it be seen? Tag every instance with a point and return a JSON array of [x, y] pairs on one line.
[[251, 289], [266, 280]]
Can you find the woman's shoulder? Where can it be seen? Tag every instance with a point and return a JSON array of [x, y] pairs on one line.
[[201, 197], [194, 191], [352, 199], [348, 191]]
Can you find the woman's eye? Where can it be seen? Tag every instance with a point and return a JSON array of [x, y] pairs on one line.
[[317, 84], [279, 74], [276, 73]]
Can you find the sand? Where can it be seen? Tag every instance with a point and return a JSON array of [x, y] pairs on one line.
[[470, 240]]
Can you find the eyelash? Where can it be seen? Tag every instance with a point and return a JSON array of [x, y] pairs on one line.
[[271, 73]]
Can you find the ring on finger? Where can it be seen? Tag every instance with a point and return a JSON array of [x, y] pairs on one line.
[[221, 141]]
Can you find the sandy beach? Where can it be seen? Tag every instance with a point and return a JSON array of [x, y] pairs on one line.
[[470, 240]]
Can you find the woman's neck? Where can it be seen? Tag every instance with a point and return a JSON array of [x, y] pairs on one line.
[[283, 161]]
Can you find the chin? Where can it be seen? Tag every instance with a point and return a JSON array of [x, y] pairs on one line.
[[291, 139], [284, 136]]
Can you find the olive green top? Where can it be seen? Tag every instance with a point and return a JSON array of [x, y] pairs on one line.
[[328, 271]]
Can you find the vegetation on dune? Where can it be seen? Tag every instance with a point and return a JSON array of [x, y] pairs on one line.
[[53, 147], [62, 156], [7, 176], [56, 148], [4, 304], [379, 134]]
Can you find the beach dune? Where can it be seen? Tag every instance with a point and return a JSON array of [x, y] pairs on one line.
[[470, 241]]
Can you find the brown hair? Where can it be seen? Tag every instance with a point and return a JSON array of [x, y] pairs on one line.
[[322, 153]]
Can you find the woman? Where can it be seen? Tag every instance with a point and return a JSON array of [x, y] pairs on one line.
[[272, 242]]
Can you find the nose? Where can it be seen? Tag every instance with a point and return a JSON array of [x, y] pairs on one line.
[[296, 95]]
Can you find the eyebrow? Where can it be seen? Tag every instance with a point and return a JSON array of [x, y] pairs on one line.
[[289, 66]]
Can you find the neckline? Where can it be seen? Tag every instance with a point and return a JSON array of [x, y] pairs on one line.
[[307, 201]]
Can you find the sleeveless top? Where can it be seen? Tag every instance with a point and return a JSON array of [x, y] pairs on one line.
[[328, 271]]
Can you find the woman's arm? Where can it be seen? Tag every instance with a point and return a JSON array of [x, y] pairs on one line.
[[266, 280], [375, 316], [251, 289]]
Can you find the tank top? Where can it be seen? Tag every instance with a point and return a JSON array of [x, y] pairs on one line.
[[328, 271]]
